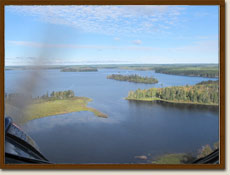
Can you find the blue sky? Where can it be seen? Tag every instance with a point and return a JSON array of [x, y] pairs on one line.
[[63, 35]]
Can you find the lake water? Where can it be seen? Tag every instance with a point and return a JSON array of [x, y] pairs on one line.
[[131, 129]]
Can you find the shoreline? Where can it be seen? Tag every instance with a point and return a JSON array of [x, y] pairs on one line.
[[53, 107], [217, 77], [68, 113], [133, 78], [172, 102]]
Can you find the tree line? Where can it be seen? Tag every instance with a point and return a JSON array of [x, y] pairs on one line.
[[54, 95], [79, 69], [59, 95], [208, 82], [190, 71], [133, 78], [206, 93]]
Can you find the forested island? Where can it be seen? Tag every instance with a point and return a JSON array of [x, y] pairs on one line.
[[200, 70], [206, 92], [133, 78], [55, 103], [79, 69]]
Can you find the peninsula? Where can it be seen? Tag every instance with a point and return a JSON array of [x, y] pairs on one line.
[[205, 93], [60, 102], [194, 70]]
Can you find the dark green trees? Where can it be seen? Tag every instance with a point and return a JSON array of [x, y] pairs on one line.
[[211, 71], [133, 78], [79, 69], [62, 94], [205, 93]]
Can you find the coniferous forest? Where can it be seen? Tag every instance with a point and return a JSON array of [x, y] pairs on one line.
[[54, 95], [211, 71], [205, 92], [133, 78]]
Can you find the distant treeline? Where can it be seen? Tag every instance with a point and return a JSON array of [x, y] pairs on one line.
[[133, 78], [79, 69], [208, 82], [58, 95], [190, 71], [201, 93]]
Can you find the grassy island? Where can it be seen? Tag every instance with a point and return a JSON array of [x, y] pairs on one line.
[[205, 93], [51, 104], [79, 69], [133, 78]]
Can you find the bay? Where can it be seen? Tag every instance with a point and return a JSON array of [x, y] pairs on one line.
[[131, 129]]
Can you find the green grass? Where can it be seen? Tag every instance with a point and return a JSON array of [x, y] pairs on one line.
[[179, 158], [56, 107]]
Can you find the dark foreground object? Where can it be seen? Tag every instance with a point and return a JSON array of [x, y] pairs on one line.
[[212, 158], [19, 147]]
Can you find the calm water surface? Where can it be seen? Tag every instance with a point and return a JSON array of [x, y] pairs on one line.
[[131, 129]]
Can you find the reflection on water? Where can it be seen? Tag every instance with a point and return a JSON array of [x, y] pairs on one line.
[[132, 128], [65, 119], [180, 106], [149, 129]]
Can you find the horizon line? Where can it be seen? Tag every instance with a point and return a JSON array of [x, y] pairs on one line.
[[116, 64]]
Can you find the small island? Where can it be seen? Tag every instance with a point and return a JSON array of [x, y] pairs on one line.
[[133, 78], [79, 69], [60, 102], [206, 93]]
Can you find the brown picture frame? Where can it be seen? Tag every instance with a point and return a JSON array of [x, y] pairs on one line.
[[220, 3]]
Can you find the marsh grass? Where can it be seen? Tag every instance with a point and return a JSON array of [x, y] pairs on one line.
[[46, 108], [179, 158]]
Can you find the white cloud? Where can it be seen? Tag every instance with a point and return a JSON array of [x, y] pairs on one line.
[[137, 42], [202, 50], [117, 39], [201, 14], [75, 46], [106, 19], [199, 46]]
